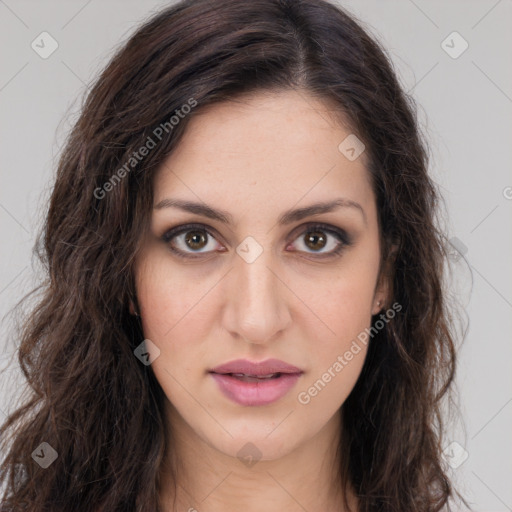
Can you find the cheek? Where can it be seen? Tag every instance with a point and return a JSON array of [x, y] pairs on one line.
[[166, 298], [340, 303], [176, 315], [168, 307], [337, 347], [337, 332]]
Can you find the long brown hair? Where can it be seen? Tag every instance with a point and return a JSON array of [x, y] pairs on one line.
[[89, 397]]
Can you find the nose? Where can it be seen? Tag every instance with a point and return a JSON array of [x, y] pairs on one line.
[[256, 309]]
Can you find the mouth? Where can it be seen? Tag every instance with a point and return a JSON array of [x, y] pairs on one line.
[[255, 384], [270, 368], [252, 378]]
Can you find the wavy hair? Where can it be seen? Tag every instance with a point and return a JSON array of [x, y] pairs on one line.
[[88, 396]]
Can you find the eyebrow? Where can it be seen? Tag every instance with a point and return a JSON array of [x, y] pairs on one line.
[[287, 217]]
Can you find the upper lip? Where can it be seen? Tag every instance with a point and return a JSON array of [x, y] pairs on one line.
[[256, 369]]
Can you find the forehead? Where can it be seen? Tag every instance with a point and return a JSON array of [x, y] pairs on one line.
[[248, 123], [263, 149]]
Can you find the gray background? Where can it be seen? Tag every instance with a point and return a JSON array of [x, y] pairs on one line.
[[465, 109]]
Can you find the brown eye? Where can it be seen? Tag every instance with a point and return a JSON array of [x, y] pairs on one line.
[[316, 240], [318, 237], [190, 241], [195, 239]]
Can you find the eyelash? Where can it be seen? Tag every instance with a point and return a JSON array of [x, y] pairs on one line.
[[343, 239]]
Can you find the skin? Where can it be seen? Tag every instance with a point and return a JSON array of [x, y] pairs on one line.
[[255, 158]]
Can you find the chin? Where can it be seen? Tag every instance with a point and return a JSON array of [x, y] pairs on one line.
[[255, 445]]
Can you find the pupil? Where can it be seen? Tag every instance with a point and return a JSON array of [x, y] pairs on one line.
[[315, 237], [195, 238]]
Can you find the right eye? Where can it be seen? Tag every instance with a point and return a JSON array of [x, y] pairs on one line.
[[189, 240]]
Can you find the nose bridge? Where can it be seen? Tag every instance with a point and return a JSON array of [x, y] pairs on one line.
[[258, 308]]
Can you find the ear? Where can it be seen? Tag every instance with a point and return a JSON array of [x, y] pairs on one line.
[[384, 289], [132, 308]]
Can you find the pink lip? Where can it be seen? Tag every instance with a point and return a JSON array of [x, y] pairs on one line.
[[261, 368], [262, 392]]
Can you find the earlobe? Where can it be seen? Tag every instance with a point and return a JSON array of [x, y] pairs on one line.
[[381, 296], [384, 288], [132, 309], [377, 307]]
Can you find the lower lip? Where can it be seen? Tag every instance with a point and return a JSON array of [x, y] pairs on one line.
[[255, 393]]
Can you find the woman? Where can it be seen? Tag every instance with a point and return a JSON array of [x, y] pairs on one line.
[[244, 305]]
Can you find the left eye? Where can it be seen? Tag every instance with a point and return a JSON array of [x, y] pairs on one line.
[[319, 237], [191, 240]]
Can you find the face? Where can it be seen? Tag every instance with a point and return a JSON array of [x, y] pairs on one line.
[[256, 283]]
